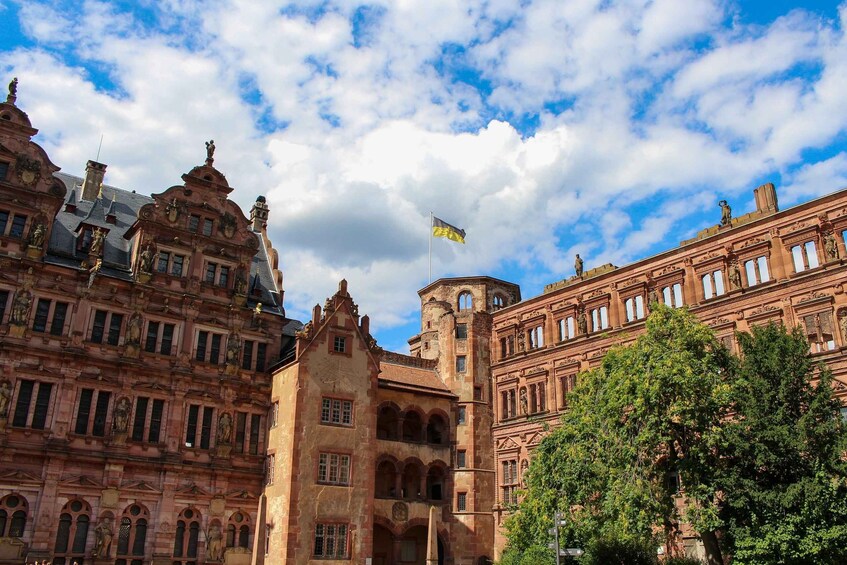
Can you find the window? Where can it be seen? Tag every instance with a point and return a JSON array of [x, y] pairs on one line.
[[132, 535], [461, 331], [207, 227], [103, 320], [208, 347], [461, 363], [461, 502], [84, 424], [274, 414], [713, 284], [566, 386], [171, 263], [187, 536], [566, 328], [477, 393], [757, 271], [238, 530], [72, 533], [150, 411], [537, 398], [255, 428], [15, 228], [217, 274], [330, 541], [336, 411], [197, 423], [599, 318], [805, 256], [509, 482], [634, 307], [461, 458], [50, 316], [270, 464], [465, 301], [160, 336], [508, 399], [32, 404], [4, 169], [13, 514], [462, 415], [339, 344], [497, 302], [193, 223], [820, 332], [334, 469], [535, 337], [4, 300], [672, 295]]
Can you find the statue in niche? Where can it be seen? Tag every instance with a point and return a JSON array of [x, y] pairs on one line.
[[145, 264], [524, 402], [521, 341], [233, 348], [225, 428], [20, 307], [582, 323], [734, 276], [842, 322], [726, 213], [133, 329], [240, 282], [830, 246], [36, 238], [97, 238], [103, 535], [524, 469], [215, 538], [210, 151], [652, 297], [5, 395], [120, 420], [13, 88], [577, 265]]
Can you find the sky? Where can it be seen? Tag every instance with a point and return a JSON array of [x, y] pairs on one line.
[[543, 128]]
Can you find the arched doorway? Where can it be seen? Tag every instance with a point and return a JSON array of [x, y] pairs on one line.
[[383, 548], [412, 546]]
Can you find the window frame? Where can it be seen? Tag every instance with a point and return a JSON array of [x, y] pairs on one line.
[[328, 421]]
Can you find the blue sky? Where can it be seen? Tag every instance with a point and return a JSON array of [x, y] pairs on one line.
[[543, 128]]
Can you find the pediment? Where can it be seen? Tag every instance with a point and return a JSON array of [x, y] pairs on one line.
[[20, 476], [81, 481], [193, 490], [143, 486], [508, 443], [242, 495], [534, 439]]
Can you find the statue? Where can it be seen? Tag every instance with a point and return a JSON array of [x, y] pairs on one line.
[[214, 538], [842, 322], [20, 307], [726, 213], [734, 276], [830, 247], [524, 469], [103, 538], [121, 418], [652, 297], [240, 282], [210, 151], [582, 323], [13, 88], [36, 238], [145, 265], [5, 395], [524, 402], [577, 265], [133, 329], [224, 428], [97, 242], [233, 348]]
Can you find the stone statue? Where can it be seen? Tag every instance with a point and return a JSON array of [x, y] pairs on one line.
[[145, 265], [830, 247], [210, 151], [652, 297], [224, 428], [120, 420], [97, 242], [524, 402], [577, 265], [214, 538], [36, 238], [842, 322], [133, 329], [582, 323], [103, 538], [524, 469], [734, 276], [13, 88], [240, 282], [726, 213], [20, 307], [5, 395], [233, 348]]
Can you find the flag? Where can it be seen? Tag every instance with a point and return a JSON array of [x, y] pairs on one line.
[[440, 228]]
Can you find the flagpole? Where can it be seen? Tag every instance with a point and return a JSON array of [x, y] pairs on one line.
[[430, 246]]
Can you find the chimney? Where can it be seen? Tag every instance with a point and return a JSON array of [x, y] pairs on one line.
[[94, 174], [259, 214], [766, 198]]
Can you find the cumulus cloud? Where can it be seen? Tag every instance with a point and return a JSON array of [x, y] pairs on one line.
[[543, 128]]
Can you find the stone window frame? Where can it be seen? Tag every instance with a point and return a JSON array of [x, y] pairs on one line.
[[199, 437], [342, 400], [32, 406], [755, 252], [507, 394], [251, 362], [329, 529], [49, 326], [211, 333], [144, 422], [566, 383], [248, 433], [172, 252], [77, 526], [462, 501], [633, 293], [509, 479], [464, 301], [710, 268], [811, 311], [108, 323], [93, 405], [190, 536], [801, 238], [218, 266], [176, 338], [335, 334], [537, 388], [12, 214], [323, 468], [13, 510]]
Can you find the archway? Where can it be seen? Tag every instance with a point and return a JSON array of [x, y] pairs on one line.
[[413, 546], [383, 548]]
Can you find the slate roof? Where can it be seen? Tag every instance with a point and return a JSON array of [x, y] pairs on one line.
[[116, 250]]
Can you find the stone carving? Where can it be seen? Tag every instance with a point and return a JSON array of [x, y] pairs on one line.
[[225, 428], [521, 341], [20, 307], [13, 88], [524, 402], [210, 151], [726, 213], [133, 329], [306, 332], [524, 469], [240, 282], [97, 238], [842, 322], [120, 420], [172, 211], [227, 224], [103, 535], [145, 263], [214, 538], [29, 169], [734, 276], [578, 265], [581, 322], [233, 348], [36, 238], [830, 247], [652, 297], [5, 395], [400, 511]]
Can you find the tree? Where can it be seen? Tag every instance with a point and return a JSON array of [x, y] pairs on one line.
[[651, 413], [784, 470]]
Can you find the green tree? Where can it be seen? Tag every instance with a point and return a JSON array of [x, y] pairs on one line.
[[784, 470], [650, 413]]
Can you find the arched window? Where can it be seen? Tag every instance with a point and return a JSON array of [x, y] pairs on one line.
[[465, 301], [72, 533], [132, 535], [497, 302], [13, 512], [387, 423], [411, 480], [238, 530], [412, 426], [436, 430], [187, 536], [435, 483], [386, 480]]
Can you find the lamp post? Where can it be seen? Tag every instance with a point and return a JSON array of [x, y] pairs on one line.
[[559, 521]]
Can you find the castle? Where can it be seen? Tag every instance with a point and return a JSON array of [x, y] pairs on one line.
[[158, 407]]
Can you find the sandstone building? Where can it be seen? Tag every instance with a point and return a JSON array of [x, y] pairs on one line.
[[158, 407]]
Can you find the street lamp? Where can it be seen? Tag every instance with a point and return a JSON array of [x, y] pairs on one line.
[[560, 521]]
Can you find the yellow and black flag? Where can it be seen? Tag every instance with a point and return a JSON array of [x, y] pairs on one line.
[[440, 228]]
